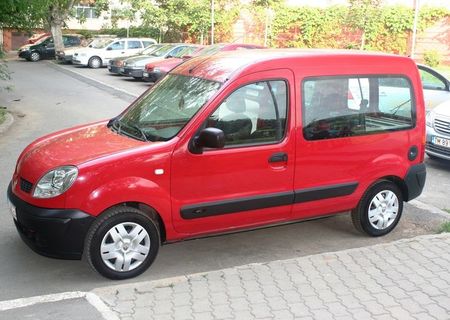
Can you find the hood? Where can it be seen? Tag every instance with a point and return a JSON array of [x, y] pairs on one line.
[[72, 147], [71, 51], [26, 47], [443, 109], [167, 64], [142, 60]]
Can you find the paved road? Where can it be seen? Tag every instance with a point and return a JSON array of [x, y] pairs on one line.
[[44, 100]]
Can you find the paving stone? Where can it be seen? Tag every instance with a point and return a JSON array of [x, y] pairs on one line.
[[408, 279]]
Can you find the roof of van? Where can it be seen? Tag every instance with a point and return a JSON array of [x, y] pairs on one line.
[[224, 65]]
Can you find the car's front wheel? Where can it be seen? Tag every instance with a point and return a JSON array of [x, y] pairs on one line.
[[35, 56], [122, 243], [95, 62], [379, 210]]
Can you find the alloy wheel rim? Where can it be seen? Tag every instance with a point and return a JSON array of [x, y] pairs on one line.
[[34, 56], [383, 210], [125, 246], [95, 63]]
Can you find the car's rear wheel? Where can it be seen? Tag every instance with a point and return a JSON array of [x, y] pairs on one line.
[[122, 243], [95, 62], [35, 56], [379, 210]]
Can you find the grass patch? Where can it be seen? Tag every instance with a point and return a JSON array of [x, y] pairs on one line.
[[2, 115], [446, 210], [445, 70], [445, 227]]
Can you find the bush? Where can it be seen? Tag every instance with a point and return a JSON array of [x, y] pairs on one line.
[[432, 58]]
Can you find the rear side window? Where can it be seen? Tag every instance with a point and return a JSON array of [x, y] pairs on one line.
[[253, 114], [335, 107], [132, 44], [118, 45]]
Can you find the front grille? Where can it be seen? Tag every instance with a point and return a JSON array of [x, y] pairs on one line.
[[442, 125], [438, 149], [25, 185]]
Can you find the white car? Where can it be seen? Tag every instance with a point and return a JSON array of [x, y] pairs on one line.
[[99, 54], [436, 87]]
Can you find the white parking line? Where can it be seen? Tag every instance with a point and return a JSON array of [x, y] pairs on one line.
[[92, 298]]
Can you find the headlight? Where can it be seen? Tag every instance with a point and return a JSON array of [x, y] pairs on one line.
[[82, 54], [429, 118], [55, 182], [156, 69]]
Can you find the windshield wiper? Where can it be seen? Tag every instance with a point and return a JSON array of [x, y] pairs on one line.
[[117, 125], [397, 108]]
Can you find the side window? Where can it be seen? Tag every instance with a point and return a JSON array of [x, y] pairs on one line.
[[134, 44], [335, 107], [118, 45], [430, 81], [253, 114], [175, 51]]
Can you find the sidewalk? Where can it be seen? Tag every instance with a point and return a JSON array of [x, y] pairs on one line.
[[406, 279]]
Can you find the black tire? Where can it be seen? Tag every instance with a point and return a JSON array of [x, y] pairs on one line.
[[35, 56], [99, 233], [95, 62], [361, 216]]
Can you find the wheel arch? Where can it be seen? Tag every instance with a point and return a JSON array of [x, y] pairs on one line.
[[149, 211], [400, 183]]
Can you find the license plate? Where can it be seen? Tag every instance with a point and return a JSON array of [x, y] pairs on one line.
[[12, 210], [441, 142], [145, 74]]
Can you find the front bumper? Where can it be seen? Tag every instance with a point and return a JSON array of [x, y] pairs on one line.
[[153, 76], [64, 58], [135, 73], [56, 233], [80, 60], [25, 54], [114, 69], [434, 149]]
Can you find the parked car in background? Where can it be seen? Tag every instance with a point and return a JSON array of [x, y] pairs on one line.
[[436, 87], [438, 131], [135, 66], [66, 55], [45, 48], [156, 70], [115, 64], [99, 55]]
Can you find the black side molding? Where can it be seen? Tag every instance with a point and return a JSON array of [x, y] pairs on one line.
[[320, 193], [266, 201], [415, 180], [242, 204]]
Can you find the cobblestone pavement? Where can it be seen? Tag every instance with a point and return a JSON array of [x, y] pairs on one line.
[[406, 279]]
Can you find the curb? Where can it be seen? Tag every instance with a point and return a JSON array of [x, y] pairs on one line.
[[120, 93], [9, 120], [165, 282], [428, 207]]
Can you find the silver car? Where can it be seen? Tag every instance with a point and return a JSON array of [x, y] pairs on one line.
[[438, 131], [436, 87]]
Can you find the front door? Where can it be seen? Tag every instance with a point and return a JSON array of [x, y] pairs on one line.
[[250, 181]]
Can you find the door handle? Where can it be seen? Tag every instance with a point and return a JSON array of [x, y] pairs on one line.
[[278, 157]]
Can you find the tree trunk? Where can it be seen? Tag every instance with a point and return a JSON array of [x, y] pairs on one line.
[[55, 26], [363, 40]]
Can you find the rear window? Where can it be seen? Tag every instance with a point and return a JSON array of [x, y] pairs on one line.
[[335, 107]]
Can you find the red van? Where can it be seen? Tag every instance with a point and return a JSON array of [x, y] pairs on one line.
[[233, 141]]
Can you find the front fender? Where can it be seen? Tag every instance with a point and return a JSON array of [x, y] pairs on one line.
[[126, 189]]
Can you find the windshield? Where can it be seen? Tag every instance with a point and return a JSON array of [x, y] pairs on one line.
[[152, 48], [211, 49], [162, 51], [166, 109], [185, 51], [101, 43], [45, 39]]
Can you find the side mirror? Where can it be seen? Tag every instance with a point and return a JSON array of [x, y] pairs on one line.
[[208, 138], [186, 57], [169, 56], [109, 48]]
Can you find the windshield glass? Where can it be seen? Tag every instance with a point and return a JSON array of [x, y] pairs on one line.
[[101, 43], [162, 51], [165, 110], [185, 51], [152, 48], [211, 49]]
